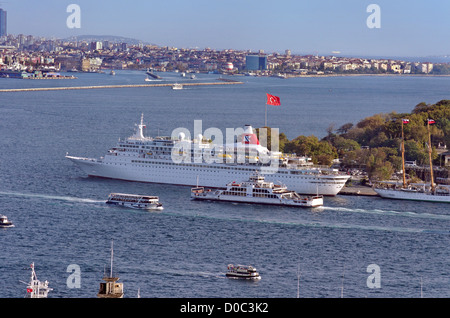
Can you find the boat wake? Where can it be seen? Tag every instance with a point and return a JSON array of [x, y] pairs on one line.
[[320, 224], [51, 197], [392, 213], [182, 272]]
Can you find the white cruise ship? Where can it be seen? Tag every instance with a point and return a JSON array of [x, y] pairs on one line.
[[147, 159]]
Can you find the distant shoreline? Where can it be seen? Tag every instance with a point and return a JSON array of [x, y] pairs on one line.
[[400, 75]]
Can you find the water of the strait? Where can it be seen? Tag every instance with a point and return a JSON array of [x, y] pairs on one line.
[[61, 219]]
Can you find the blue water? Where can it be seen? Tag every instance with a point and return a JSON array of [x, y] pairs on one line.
[[183, 251]]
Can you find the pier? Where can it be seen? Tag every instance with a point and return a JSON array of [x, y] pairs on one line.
[[110, 86]]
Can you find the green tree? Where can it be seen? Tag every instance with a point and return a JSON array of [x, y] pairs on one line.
[[321, 152]]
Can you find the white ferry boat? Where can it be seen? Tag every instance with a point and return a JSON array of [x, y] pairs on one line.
[[4, 222], [257, 190], [135, 201], [36, 288], [242, 272], [147, 159]]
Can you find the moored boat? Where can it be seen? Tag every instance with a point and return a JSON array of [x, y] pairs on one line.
[[135, 201], [416, 192], [257, 190], [242, 272]]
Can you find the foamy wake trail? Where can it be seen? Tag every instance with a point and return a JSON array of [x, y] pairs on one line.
[[51, 197], [392, 213]]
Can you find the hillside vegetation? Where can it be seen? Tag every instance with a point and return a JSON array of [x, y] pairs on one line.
[[375, 142]]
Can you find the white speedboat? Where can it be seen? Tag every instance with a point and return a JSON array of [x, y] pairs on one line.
[[36, 288], [177, 86], [257, 190], [135, 201], [242, 272], [4, 222]]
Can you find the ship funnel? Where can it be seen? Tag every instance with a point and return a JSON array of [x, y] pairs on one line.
[[248, 137]]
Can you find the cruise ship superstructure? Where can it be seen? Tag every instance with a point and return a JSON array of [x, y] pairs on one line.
[[147, 159]]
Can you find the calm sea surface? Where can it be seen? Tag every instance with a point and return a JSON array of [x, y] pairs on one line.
[[183, 251]]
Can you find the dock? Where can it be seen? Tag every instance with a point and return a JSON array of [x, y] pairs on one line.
[[358, 190], [111, 86]]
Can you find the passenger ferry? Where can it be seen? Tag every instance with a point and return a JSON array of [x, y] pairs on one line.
[[36, 288], [147, 159], [257, 190], [135, 201], [242, 272]]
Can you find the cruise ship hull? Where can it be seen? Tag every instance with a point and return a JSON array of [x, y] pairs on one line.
[[412, 195], [205, 175]]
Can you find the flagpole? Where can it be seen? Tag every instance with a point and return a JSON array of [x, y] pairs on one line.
[[265, 123], [429, 154], [403, 158]]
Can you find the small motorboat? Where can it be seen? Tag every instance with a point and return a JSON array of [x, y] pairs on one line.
[[4, 222], [242, 272]]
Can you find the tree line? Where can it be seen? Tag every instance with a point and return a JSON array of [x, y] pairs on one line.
[[374, 143]]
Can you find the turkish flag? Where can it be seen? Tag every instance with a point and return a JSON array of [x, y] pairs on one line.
[[273, 100]]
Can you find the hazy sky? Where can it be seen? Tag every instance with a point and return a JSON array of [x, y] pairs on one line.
[[408, 28]]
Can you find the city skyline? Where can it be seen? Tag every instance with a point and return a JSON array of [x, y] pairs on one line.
[[412, 28]]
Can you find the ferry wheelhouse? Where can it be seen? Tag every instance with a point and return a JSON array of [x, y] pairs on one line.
[[257, 190], [135, 201]]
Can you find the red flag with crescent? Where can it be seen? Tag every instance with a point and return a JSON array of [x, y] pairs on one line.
[[273, 100]]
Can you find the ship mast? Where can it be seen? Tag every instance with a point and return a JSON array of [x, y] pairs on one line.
[[429, 154], [112, 255]]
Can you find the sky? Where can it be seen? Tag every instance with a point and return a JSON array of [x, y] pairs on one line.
[[407, 28]]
